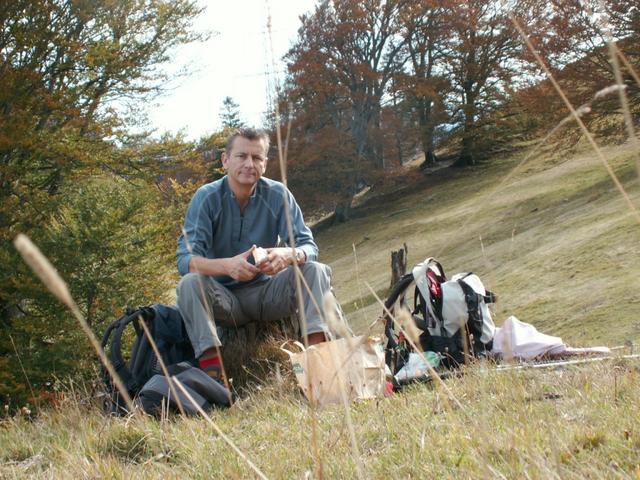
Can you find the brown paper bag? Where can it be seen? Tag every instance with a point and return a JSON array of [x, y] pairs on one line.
[[353, 367]]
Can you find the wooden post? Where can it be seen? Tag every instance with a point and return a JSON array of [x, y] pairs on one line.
[[398, 263]]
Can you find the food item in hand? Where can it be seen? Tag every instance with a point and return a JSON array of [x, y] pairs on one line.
[[259, 255]]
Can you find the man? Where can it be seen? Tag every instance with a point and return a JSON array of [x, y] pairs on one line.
[[225, 221]]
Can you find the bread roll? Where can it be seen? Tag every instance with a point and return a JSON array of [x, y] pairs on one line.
[[259, 255]]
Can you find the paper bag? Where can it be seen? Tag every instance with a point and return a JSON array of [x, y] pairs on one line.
[[353, 367]]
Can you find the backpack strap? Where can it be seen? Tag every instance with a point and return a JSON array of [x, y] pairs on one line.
[[107, 333], [127, 371], [142, 350], [396, 292], [472, 299], [119, 364], [429, 261], [116, 362], [490, 297], [420, 314], [429, 276]]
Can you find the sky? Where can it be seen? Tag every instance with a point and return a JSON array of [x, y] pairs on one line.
[[231, 63]]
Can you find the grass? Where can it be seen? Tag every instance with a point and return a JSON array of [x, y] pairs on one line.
[[573, 423], [558, 245]]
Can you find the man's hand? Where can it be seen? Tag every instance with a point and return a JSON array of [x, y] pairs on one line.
[[277, 260], [239, 268]]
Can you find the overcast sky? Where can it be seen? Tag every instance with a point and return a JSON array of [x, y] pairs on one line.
[[231, 63]]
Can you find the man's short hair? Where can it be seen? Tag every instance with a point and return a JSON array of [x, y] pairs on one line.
[[249, 134]]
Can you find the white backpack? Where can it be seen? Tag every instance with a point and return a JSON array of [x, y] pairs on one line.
[[457, 303], [453, 315]]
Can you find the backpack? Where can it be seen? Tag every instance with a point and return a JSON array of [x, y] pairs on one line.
[[135, 370], [199, 392], [452, 316]]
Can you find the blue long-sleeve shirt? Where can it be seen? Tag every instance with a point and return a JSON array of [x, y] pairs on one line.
[[215, 228]]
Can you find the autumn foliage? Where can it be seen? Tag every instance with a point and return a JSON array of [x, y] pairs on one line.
[[374, 83], [75, 178], [370, 85]]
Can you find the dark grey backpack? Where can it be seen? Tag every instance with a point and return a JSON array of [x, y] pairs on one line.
[[135, 366], [141, 371], [202, 392]]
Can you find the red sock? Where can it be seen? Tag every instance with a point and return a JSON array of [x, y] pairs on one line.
[[208, 362]]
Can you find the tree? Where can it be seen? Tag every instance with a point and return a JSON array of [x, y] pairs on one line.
[[344, 58], [69, 72], [230, 114], [112, 250], [575, 43], [64, 64], [483, 57], [424, 85], [571, 37]]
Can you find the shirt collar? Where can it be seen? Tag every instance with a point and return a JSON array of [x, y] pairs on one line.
[[233, 195]]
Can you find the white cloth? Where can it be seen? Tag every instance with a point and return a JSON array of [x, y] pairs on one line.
[[516, 339]]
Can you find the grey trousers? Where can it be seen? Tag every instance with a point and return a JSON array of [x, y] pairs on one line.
[[202, 299]]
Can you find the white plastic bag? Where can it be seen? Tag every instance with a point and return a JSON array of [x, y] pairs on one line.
[[416, 367]]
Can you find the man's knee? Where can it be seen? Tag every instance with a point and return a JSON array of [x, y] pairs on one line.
[[190, 285], [316, 269]]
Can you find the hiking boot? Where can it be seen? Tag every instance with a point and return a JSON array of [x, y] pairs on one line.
[[215, 372]]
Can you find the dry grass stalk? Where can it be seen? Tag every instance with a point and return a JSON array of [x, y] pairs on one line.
[[56, 285], [608, 90], [355, 261], [24, 372], [161, 361], [338, 326], [613, 55], [335, 324], [492, 281], [624, 102], [627, 64], [581, 111], [298, 274], [408, 325]]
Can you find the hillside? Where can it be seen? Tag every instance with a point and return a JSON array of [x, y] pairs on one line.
[[556, 241], [558, 245]]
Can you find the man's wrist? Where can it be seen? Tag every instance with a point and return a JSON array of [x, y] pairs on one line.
[[300, 256], [224, 264], [297, 256]]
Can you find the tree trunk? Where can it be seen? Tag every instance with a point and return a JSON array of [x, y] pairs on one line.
[[467, 156], [342, 212], [249, 352], [426, 132], [398, 264]]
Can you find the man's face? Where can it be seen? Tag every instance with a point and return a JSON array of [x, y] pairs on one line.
[[246, 162]]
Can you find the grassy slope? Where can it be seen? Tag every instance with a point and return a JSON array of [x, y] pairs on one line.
[[560, 248], [557, 243]]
